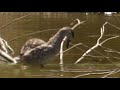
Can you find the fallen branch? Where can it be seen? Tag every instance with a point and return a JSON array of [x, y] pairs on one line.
[[6, 46], [97, 44], [7, 57]]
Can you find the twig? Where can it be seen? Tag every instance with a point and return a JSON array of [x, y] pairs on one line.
[[70, 48], [7, 46], [96, 56], [4, 44], [31, 34], [7, 57], [77, 23], [104, 35], [88, 71], [62, 67], [61, 51], [110, 50], [61, 48], [111, 72], [98, 41], [109, 39], [101, 57], [77, 46], [13, 21], [90, 74], [114, 26], [96, 45]]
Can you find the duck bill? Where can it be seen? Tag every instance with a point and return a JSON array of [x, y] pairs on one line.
[[69, 40], [72, 34], [67, 43]]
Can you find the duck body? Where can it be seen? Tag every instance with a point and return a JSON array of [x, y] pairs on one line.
[[43, 52]]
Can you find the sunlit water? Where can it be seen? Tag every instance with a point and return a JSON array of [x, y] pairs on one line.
[[86, 33]]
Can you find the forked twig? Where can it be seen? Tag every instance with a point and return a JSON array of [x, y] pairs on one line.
[[4, 43], [95, 46], [7, 46]]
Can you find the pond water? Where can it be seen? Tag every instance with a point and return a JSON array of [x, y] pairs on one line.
[[86, 33]]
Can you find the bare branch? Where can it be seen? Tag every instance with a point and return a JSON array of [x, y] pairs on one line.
[[114, 26], [108, 35], [77, 23], [97, 44], [61, 51], [61, 48], [101, 57], [7, 46], [13, 21], [86, 74], [111, 72], [7, 57], [109, 39], [70, 48], [110, 50], [31, 34]]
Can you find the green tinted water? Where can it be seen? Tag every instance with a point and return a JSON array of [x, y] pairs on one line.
[[83, 34]]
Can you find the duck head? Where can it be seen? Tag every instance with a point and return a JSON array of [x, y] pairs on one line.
[[68, 32]]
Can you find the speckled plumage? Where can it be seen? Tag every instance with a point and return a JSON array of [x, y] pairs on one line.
[[44, 52], [30, 44]]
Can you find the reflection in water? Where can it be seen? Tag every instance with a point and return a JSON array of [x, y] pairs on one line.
[[87, 34]]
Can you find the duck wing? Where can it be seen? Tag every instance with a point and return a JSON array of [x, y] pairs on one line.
[[30, 44]]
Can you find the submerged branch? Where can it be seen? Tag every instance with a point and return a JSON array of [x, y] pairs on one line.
[[112, 72], [61, 51], [86, 74], [61, 48], [7, 57]]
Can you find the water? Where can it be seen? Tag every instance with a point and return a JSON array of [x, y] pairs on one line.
[[86, 33]]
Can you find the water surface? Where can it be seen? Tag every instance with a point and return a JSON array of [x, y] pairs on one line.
[[86, 33]]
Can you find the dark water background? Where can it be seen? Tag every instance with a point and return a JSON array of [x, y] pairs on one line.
[[38, 21]]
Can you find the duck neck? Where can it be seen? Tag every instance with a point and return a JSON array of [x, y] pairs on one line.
[[56, 40]]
